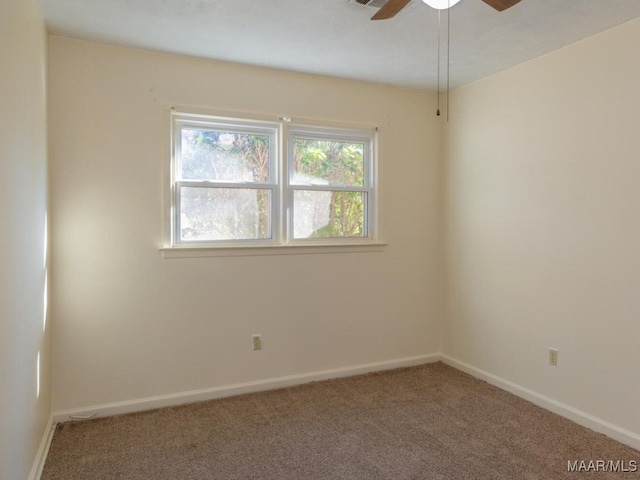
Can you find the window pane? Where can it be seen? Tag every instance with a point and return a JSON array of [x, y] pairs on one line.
[[327, 162], [328, 214], [223, 156], [224, 213]]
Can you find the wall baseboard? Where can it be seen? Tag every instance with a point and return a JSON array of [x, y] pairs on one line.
[[150, 403], [43, 450], [582, 418]]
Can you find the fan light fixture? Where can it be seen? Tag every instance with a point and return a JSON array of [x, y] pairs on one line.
[[441, 4]]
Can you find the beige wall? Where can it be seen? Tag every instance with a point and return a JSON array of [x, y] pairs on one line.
[[24, 412], [131, 325], [543, 226]]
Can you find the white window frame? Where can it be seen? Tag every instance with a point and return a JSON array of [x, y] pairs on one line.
[[328, 133], [270, 129], [282, 131]]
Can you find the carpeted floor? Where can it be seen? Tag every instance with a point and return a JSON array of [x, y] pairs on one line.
[[426, 422]]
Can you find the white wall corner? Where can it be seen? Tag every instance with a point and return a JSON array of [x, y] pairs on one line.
[[43, 450]]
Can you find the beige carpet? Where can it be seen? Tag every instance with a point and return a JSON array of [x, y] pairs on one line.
[[426, 422]]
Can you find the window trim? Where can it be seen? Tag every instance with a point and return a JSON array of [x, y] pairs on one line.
[[281, 209]]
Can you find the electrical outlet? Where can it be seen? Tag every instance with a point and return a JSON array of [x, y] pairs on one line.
[[257, 341], [553, 357]]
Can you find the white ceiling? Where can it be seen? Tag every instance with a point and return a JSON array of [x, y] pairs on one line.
[[336, 37]]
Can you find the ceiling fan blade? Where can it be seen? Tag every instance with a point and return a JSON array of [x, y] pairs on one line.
[[500, 5], [390, 9]]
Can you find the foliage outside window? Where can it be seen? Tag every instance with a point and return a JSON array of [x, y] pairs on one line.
[[233, 184]]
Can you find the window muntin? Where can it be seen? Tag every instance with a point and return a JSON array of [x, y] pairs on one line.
[[233, 185]]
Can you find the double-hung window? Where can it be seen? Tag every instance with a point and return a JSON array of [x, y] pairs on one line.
[[242, 183], [225, 186], [329, 184]]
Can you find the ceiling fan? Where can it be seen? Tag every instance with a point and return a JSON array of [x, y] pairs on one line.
[[393, 7]]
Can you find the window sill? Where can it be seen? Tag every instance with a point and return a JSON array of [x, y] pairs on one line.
[[242, 251]]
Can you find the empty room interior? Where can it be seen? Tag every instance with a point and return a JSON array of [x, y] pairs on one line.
[[491, 223]]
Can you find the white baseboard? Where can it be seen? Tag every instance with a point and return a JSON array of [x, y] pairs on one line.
[[582, 418], [149, 403], [43, 450]]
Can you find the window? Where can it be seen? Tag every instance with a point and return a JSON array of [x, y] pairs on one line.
[[330, 183], [238, 182], [225, 184]]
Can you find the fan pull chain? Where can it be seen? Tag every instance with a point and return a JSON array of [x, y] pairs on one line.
[[448, 53], [439, 34]]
